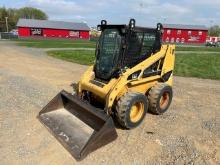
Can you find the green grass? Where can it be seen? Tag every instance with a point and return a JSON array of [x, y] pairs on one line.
[[55, 43], [188, 65], [203, 48], [69, 43], [198, 65], [84, 57]]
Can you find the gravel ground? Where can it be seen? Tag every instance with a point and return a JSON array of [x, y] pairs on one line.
[[189, 133]]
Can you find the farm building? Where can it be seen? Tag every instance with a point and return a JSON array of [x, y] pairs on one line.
[[46, 28], [212, 39], [185, 34]]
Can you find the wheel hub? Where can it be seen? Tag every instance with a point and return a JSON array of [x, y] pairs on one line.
[[164, 100], [137, 111]]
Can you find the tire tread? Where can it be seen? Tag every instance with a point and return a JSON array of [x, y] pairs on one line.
[[121, 107]]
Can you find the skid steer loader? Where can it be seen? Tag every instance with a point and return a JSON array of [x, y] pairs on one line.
[[132, 73]]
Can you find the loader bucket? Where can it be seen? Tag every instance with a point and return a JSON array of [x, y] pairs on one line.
[[78, 126]]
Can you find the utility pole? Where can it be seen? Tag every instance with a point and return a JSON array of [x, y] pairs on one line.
[[6, 21]]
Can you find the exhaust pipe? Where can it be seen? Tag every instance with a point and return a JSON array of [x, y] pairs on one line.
[[78, 126]]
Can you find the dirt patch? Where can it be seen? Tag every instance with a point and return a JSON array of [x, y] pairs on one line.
[[187, 134]]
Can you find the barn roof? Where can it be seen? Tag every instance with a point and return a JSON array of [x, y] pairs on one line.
[[52, 24], [180, 26]]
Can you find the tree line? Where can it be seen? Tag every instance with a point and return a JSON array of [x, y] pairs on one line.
[[14, 14], [214, 31]]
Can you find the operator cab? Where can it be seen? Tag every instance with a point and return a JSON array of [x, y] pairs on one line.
[[124, 46]]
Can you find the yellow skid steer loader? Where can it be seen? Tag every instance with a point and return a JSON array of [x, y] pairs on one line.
[[132, 73]]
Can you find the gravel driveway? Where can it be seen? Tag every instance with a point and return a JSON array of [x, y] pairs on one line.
[[189, 133]]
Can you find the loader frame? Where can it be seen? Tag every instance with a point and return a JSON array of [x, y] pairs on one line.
[[120, 86], [116, 87]]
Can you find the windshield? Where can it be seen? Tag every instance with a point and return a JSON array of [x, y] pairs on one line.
[[108, 50]]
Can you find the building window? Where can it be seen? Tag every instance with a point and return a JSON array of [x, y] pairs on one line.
[[189, 32], [177, 40], [168, 31], [36, 32], [178, 31], [172, 40], [182, 40], [74, 34], [167, 39], [200, 33]]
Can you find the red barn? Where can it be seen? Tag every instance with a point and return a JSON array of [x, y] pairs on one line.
[[184, 34], [212, 39], [58, 29]]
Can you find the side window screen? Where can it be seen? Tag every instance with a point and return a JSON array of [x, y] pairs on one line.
[[108, 53], [110, 44], [141, 44], [135, 44], [148, 42], [140, 47]]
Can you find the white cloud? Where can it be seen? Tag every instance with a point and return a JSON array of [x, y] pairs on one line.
[[218, 13], [147, 12], [79, 17], [165, 9], [205, 2], [57, 7]]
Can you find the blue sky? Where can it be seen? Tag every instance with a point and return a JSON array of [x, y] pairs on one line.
[[146, 12]]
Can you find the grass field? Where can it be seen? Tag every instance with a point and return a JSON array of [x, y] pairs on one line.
[[198, 65], [68, 43], [55, 43], [202, 48], [84, 57], [188, 65]]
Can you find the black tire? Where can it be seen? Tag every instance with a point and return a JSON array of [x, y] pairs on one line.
[[157, 94], [124, 109]]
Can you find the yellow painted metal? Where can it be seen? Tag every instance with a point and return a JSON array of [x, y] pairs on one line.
[[115, 88], [168, 64], [143, 87], [85, 84], [137, 111]]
